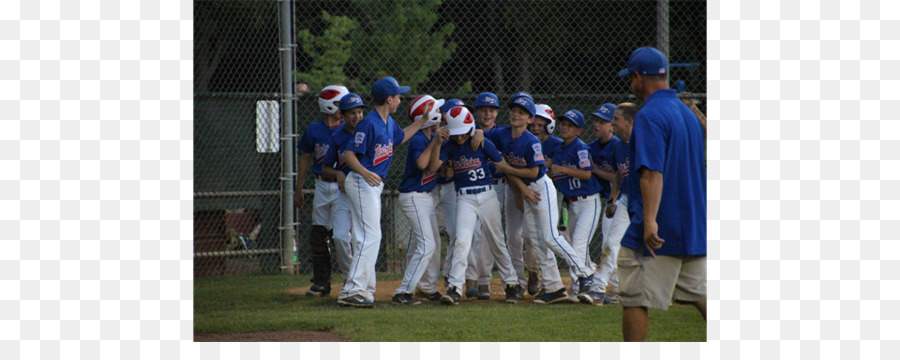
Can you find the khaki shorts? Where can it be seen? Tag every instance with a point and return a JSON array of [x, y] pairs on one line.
[[648, 282]]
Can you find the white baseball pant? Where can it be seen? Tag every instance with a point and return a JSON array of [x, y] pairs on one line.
[[343, 247], [323, 203], [481, 260], [544, 217], [418, 207], [445, 206], [365, 203], [469, 208], [584, 218], [613, 229], [542, 255]]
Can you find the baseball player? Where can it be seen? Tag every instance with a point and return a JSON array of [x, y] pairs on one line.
[[315, 140], [369, 156], [476, 200], [542, 127], [523, 152], [610, 160], [416, 201], [571, 172], [351, 107]]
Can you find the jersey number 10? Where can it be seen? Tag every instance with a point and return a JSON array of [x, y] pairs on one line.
[[574, 183]]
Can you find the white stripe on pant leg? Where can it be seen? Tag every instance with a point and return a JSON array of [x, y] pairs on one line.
[[351, 287]]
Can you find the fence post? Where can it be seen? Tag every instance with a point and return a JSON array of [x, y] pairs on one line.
[[662, 26], [287, 136]]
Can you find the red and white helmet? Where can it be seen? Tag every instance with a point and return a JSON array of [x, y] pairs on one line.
[[417, 108], [459, 120], [545, 112], [330, 95]]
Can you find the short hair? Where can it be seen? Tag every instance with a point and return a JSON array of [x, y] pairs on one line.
[[381, 102], [628, 110]]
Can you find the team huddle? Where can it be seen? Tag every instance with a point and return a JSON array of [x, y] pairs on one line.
[[475, 173]]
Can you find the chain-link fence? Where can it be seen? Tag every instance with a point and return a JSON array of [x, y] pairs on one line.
[[565, 53]]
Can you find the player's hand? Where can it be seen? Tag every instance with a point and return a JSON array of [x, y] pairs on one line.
[[340, 180], [477, 139], [610, 209], [444, 133], [298, 198], [651, 237], [532, 196], [372, 178]]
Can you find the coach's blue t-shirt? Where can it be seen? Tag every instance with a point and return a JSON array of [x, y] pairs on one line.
[[667, 138], [335, 154], [316, 140], [574, 156], [374, 142], [413, 178], [524, 151], [604, 157], [470, 168]]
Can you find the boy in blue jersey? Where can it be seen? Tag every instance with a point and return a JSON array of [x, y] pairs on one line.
[[315, 140], [369, 156], [523, 152], [476, 201], [663, 255], [416, 201], [571, 173], [351, 107]]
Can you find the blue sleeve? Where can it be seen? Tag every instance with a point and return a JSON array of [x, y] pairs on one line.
[[492, 134], [649, 144], [491, 151], [534, 154], [364, 136], [399, 134], [306, 142]]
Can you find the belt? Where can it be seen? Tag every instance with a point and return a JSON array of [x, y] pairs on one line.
[[326, 179], [472, 190], [500, 181], [577, 198]]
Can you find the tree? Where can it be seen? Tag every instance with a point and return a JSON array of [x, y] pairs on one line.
[[329, 51]]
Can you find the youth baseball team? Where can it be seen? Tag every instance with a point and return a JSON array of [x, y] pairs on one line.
[[643, 182]]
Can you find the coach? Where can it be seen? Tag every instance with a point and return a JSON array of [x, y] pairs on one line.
[[663, 254]]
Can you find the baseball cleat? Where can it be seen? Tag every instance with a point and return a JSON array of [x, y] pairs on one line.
[[551, 298], [452, 297], [591, 298], [356, 301], [404, 299], [471, 289], [484, 292], [435, 296], [534, 283], [512, 294], [614, 300], [318, 290], [585, 284]]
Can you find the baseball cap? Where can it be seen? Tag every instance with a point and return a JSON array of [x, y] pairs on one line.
[[521, 93], [523, 102], [487, 99], [605, 112], [351, 101], [646, 61], [387, 86], [452, 103], [459, 120], [574, 116]]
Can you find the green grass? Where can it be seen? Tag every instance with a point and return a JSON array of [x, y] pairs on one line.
[[258, 303]]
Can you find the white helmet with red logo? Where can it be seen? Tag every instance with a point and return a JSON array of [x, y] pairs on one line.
[[417, 108], [545, 112], [459, 120], [330, 95]]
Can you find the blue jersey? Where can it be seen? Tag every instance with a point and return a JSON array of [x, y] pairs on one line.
[[550, 145], [604, 157], [521, 152], [496, 174], [316, 140], [667, 138], [413, 178], [574, 156], [470, 168], [335, 154], [374, 142]]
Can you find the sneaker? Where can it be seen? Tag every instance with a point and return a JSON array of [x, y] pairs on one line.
[[585, 284], [356, 301], [404, 299], [534, 283], [435, 296], [591, 298], [319, 290], [452, 296], [484, 292], [471, 289], [614, 300], [551, 298], [512, 294]]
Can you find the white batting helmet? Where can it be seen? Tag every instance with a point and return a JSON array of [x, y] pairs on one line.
[[459, 120], [329, 96], [545, 112], [417, 108]]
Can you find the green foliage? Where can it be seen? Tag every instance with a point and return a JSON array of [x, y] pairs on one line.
[[329, 51], [465, 88]]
